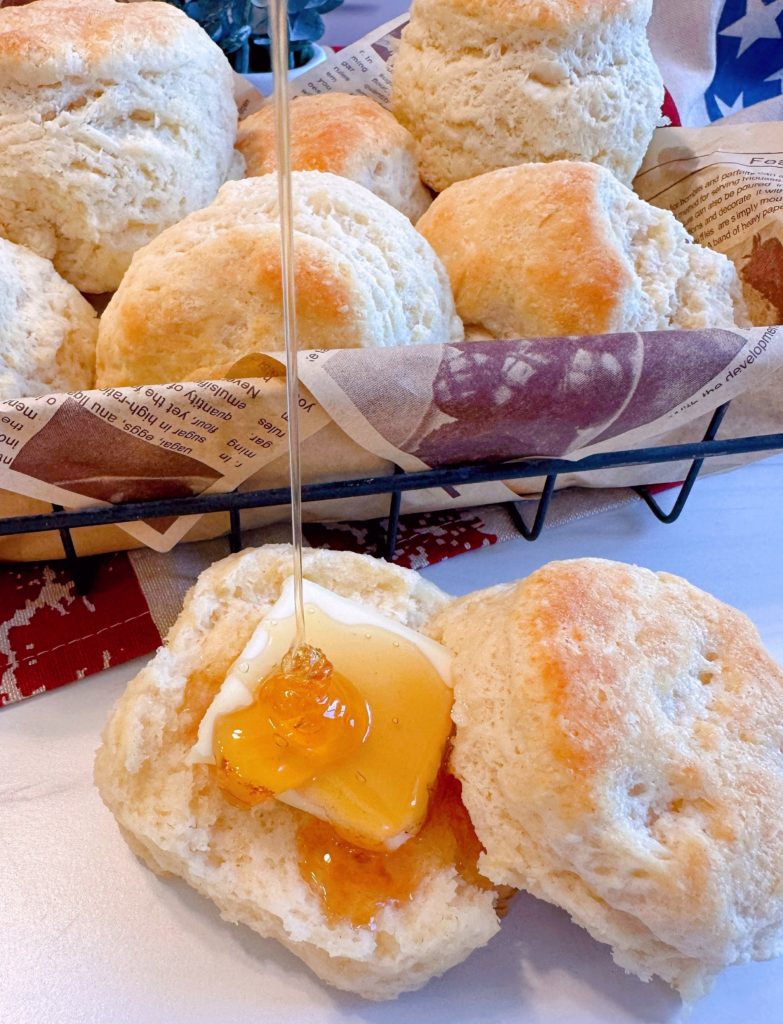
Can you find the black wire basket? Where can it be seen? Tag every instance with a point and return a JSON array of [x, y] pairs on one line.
[[399, 482]]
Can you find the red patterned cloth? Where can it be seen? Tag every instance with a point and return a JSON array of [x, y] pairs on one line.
[[423, 539], [50, 635]]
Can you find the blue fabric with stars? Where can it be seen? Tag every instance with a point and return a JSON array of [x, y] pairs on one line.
[[749, 56]]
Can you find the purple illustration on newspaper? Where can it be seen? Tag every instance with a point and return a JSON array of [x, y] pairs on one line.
[[364, 410], [552, 397]]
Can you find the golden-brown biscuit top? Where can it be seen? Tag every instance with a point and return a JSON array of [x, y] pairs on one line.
[[532, 248], [330, 132], [70, 37], [537, 14], [619, 738]]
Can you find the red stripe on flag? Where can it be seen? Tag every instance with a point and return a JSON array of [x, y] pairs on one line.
[[669, 109]]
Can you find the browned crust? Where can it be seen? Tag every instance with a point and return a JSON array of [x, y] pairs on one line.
[[529, 250], [537, 14], [48, 31], [591, 660], [149, 333], [332, 132]]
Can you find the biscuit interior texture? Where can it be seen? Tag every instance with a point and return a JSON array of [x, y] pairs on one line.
[[619, 738], [175, 818]]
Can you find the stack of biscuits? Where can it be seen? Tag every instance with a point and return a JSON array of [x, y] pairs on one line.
[[119, 137]]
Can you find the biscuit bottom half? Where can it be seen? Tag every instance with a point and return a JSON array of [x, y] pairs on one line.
[[257, 863]]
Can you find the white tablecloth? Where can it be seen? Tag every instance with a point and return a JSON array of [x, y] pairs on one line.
[[89, 936]]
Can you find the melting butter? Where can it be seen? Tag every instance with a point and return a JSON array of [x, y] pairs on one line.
[[377, 797]]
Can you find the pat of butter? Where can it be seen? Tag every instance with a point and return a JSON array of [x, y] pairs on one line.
[[380, 793]]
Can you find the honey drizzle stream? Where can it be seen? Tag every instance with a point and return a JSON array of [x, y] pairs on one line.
[[353, 882], [278, 11]]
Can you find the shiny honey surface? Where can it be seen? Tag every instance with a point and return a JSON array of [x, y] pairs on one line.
[[354, 883], [306, 718], [363, 746]]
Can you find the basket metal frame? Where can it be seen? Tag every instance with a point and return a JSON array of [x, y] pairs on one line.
[[396, 484]]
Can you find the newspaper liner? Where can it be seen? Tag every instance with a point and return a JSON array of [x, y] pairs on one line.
[[429, 405], [364, 411]]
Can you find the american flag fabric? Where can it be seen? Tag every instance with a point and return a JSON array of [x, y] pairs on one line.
[[720, 58], [748, 56]]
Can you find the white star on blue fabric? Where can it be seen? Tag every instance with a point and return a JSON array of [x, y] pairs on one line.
[[729, 108], [760, 21]]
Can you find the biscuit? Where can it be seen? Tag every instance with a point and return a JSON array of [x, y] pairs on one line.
[[482, 84], [563, 248], [208, 290], [117, 121], [352, 136], [619, 739], [48, 330], [174, 816]]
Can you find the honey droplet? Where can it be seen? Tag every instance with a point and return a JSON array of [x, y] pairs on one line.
[[305, 717], [354, 883]]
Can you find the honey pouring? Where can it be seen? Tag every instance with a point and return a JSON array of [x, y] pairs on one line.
[[333, 708], [305, 715]]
